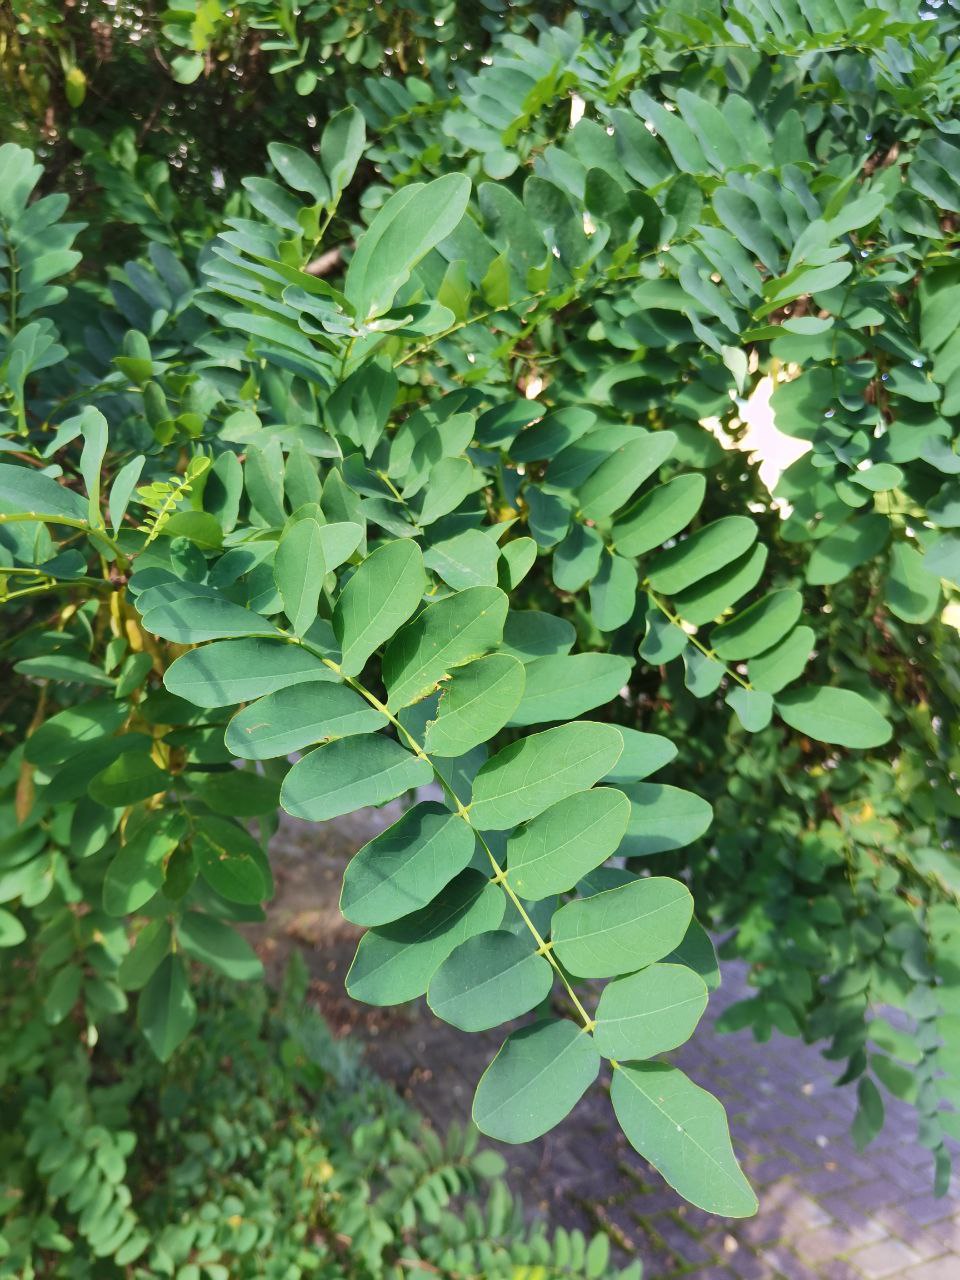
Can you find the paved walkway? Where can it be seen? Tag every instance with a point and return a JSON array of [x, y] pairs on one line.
[[826, 1211]]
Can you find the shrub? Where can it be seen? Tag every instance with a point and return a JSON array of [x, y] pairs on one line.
[[381, 506], [268, 1151]]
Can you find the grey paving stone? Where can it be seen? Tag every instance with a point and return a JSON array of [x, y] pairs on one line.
[[786, 1263], [947, 1268], [681, 1242], [747, 1266], [875, 1195], [835, 1241], [885, 1258], [827, 1179], [807, 1153], [837, 1269], [919, 1211], [774, 1168], [946, 1233]]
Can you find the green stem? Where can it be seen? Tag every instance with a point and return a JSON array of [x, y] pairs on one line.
[[678, 622], [21, 517], [544, 948]]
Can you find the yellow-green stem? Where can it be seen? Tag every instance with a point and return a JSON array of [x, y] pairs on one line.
[[544, 948]]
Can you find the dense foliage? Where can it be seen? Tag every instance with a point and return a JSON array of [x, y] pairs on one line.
[[397, 478], [269, 1153]]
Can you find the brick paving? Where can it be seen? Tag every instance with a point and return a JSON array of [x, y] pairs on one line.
[[827, 1211]]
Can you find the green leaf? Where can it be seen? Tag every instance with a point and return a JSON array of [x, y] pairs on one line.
[[185, 69], [536, 1079], [879, 477], [622, 473], [840, 552], [377, 601], [132, 777], [649, 1012], [136, 872], [577, 558], [467, 560], [349, 774], [682, 1130], [643, 754], [703, 553], [299, 716], [556, 849], [230, 861], [411, 223], [912, 592], [658, 515], [663, 818], [475, 703], [299, 171], [341, 147], [70, 731], [395, 962], [61, 666], [231, 671], [191, 619], [868, 1121], [142, 960], [517, 558], [530, 634], [613, 592], [754, 708], [718, 591], [94, 431], [837, 716], [298, 571], [780, 666], [166, 1010], [63, 993], [218, 945], [623, 929], [27, 491], [338, 541], [360, 407], [701, 675], [121, 491], [447, 634], [758, 627], [489, 979], [663, 640], [12, 932], [404, 868], [198, 527], [942, 558], [562, 688], [237, 793], [528, 776], [697, 952], [70, 780]]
